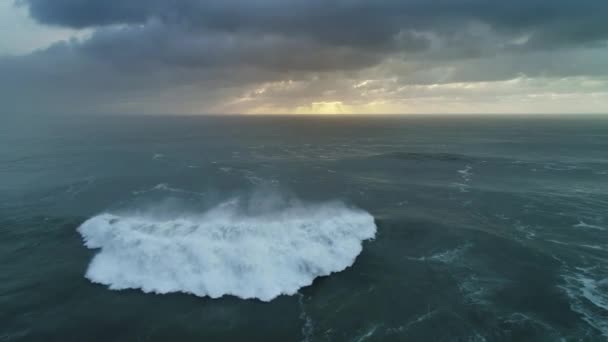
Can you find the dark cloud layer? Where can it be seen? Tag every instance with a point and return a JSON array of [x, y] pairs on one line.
[[318, 35], [341, 22], [140, 48]]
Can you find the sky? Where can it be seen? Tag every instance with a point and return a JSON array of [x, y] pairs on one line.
[[303, 56]]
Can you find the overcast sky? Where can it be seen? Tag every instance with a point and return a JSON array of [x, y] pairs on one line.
[[303, 56]]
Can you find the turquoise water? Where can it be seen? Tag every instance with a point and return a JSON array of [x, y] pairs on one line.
[[466, 228]]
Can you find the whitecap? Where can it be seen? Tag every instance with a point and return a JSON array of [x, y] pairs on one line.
[[167, 188], [582, 224], [588, 297], [227, 250], [465, 176], [466, 173], [367, 334], [596, 247]]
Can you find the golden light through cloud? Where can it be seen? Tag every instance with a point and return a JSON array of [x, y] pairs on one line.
[[387, 96], [324, 107]]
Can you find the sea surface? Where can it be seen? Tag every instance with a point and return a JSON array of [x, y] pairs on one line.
[[304, 228]]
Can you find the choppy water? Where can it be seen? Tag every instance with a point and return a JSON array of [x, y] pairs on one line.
[[457, 228]]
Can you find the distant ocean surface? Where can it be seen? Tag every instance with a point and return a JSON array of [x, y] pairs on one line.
[[319, 228]]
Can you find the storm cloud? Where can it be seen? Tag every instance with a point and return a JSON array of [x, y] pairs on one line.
[[342, 22], [216, 54]]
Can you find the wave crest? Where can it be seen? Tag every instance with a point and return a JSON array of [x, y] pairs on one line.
[[226, 251]]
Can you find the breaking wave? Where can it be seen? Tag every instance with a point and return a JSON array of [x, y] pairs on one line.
[[228, 250]]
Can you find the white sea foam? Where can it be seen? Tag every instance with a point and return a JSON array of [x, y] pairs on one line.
[[525, 229], [465, 175], [582, 224], [166, 187], [228, 250], [448, 256], [419, 319], [476, 290], [367, 334], [463, 187], [308, 328], [588, 297], [560, 167]]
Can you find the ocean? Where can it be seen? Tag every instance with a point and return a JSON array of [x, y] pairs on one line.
[[304, 228]]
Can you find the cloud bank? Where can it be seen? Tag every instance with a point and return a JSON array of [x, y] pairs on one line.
[[237, 56]]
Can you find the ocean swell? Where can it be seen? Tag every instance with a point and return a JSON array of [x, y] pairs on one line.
[[226, 250]]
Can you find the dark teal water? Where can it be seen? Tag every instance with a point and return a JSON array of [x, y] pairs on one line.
[[488, 228]]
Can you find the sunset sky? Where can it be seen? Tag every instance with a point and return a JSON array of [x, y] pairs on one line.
[[303, 56]]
